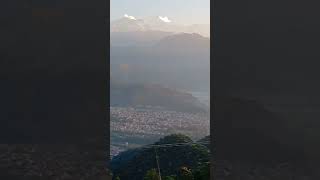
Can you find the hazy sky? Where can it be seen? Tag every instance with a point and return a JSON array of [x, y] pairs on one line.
[[180, 11]]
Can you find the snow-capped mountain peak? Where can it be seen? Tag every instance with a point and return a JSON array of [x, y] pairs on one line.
[[156, 23], [130, 17], [164, 19]]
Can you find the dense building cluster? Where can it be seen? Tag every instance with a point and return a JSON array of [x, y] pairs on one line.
[[150, 122]]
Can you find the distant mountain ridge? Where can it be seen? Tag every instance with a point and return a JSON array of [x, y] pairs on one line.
[[178, 61], [184, 42], [137, 38], [156, 23]]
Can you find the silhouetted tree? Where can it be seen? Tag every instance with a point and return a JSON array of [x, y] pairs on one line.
[[202, 172], [170, 177], [185, 174], [151, 175]]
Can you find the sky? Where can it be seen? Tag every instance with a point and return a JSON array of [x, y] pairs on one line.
[[179, 11]]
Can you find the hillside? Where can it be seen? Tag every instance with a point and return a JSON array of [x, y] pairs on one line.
[[179, 61], [133, 164], [153, 95]]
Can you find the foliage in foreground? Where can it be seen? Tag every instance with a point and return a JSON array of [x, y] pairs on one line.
[[184, 173], [186, 162]]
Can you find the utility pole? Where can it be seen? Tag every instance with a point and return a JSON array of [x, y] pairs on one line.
[[157, 160]]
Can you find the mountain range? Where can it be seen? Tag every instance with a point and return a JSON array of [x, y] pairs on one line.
[[174, 60], [156, 23]]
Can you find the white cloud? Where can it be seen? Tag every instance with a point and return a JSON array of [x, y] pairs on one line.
[[130, 17], [165, 19]]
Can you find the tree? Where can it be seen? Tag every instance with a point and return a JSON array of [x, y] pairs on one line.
[[202, 172], [151, 175], [185, 174], [170, 178], [117, 178]]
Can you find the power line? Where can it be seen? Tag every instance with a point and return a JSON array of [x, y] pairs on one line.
[[154, 146], [157, 160], [173, 145]]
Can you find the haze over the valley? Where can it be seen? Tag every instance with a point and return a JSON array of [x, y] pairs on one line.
[[156, 50]]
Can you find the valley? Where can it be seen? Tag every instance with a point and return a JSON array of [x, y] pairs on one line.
[[133, 127]]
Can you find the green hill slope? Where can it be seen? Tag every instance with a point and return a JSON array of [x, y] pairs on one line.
[[174, 151]]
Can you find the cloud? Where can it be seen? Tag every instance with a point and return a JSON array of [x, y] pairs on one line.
[[130, 17], [165, 19]]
